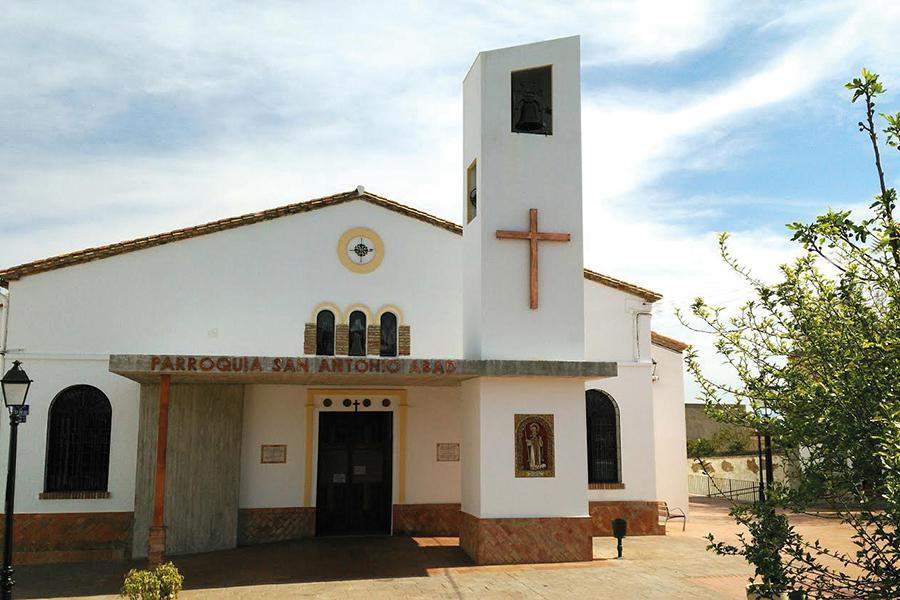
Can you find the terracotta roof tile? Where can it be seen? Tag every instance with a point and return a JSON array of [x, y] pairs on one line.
[[648, 295], [664, 341], [96, 253]]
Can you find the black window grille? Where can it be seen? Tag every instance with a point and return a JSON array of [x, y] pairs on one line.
[[388, 334], [357, 344], [325, 333], [78, 441], [602, 438]]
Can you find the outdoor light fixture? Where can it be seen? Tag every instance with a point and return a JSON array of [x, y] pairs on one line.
[[15, 385], [619, 527]]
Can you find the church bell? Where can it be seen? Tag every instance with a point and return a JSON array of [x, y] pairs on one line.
[[531, 117]]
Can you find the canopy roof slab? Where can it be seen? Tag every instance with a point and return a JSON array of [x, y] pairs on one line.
[[327, 370]]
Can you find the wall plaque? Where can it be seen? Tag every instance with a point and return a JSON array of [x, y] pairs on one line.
[[273, 453], [534, 446], [448, 452]]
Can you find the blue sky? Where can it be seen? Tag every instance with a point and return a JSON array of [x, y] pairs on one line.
[[698, 117]]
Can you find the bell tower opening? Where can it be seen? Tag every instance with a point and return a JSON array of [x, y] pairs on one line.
[[532, 101], [471, 192]]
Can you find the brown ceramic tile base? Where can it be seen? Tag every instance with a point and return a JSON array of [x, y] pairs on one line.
[[427, 519], [156, 542], [535, 540], [642, 517], [70, 537], [263, 525]]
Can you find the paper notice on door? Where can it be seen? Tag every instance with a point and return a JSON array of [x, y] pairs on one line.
[[359, 469], [339, 478]]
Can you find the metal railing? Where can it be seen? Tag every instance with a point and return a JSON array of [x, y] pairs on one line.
[[740, 490]]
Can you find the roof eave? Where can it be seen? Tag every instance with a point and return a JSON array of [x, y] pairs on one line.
[[99, 252]]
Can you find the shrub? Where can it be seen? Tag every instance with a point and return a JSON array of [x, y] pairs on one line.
[[700, 448], [732, 440], [162, 583]]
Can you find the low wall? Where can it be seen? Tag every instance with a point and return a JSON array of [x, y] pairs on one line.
[[642, 517], [743, 466], [445, 519], [263, 525], [70, 537], [441, 520]]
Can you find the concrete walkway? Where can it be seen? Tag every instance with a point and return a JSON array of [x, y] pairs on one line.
[[672, 567]]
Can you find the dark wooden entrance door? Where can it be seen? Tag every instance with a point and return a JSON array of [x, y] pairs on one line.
[[353, 491]]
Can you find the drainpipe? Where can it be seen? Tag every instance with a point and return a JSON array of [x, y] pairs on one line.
[[4, 327], [641, 312]]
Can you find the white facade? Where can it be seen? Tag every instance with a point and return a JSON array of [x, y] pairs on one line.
[[251, 289], [64, 324]]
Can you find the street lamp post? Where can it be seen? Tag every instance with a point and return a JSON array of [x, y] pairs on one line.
[[759, 454], [767, 440], [15, 386]]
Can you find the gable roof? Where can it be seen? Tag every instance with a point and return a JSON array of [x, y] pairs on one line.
[[623, 286], [96, 253], [664, 341]]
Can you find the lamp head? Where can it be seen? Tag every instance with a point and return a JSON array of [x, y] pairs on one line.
[[15, 385]]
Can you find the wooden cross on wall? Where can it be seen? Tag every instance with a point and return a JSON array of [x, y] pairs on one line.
[[533, 236]]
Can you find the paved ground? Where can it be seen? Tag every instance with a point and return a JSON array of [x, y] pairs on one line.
[[673, 567]]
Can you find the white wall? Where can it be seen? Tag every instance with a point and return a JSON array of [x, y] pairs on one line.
[[247, 290], [669, 428], [273, 414], [609, 323], [276, 414], [470, 446], [632, 394], [50, 377], [501, 493], [517, 172], [433, 416]]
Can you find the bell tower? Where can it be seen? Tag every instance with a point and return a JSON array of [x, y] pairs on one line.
[[523, 270], [523, 448]]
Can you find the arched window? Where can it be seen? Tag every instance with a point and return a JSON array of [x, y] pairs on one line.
[[357, 345], [388, 334], [602, 438], [325, 333], [78, 441]]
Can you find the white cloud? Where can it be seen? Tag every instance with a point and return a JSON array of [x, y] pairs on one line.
[[255, 105]]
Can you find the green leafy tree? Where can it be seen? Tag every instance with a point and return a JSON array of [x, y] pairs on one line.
[[700, 448], [817, 363], [732, 440]]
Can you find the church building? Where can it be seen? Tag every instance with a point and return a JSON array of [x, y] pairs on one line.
[[350, 365]]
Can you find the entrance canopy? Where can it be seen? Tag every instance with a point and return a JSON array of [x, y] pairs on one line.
[[345, 370]]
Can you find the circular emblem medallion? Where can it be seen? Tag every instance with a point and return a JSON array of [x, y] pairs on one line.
[[360, 250]]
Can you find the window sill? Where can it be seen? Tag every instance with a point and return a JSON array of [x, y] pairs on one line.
[[87, 495], [606, 486]]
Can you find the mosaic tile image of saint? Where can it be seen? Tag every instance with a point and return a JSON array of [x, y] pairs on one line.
[[534, 446]]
